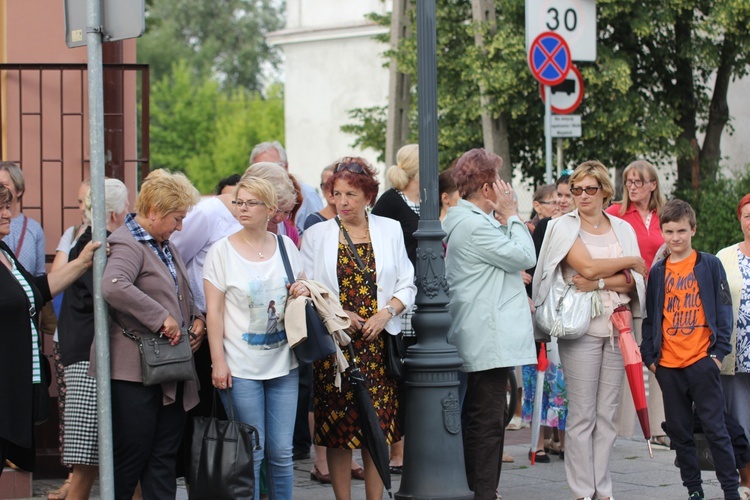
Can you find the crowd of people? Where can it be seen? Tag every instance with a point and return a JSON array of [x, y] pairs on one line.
[[212, 273]]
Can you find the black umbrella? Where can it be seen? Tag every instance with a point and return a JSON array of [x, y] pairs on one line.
[[370, 423]]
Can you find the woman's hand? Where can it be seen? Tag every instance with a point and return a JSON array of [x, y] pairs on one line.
[[526, 277], [298, 289], [197, 331], [171, 329], [221, 377], [639, 266], [373, 326], [504, 205], [86, 257], [584, 285], [532, 307], [356, 322]]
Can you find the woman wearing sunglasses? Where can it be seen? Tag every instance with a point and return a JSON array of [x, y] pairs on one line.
[[362, 258], [593, 248]]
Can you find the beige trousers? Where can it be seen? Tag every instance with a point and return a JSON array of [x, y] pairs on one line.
[[594, 374]]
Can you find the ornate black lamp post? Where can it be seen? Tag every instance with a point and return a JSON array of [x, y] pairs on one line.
[[433, 456]]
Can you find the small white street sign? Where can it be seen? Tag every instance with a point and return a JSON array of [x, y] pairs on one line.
[[574, 20], [566, 126]]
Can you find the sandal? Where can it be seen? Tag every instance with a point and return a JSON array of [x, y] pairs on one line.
[[541, 457], [660, 441], [60, 493]]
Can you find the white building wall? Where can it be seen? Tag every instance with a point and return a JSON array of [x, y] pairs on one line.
[[332, 65]]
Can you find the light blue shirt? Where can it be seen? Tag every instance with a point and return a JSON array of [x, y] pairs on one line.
[[32, 251]]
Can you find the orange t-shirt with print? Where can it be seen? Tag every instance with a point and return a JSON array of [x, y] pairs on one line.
[[685, 332]]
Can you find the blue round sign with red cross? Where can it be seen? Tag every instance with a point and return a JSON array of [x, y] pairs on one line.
[[549, 58]]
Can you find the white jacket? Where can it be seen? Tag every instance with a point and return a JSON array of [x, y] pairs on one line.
[[394, 271]]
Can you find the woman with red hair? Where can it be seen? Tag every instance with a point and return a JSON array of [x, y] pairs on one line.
[[735, 369], [361, 258]]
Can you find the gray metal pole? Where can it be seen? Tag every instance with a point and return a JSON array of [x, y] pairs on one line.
[[433, 455], [548, 134], [96, 155]]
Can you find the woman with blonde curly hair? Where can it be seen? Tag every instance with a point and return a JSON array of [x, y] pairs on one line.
[[147, 288]]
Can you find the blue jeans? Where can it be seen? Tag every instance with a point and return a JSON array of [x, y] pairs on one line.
[[270, 406]]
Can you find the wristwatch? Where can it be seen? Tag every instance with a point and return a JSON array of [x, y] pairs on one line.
[[601, 283], [391, 310]]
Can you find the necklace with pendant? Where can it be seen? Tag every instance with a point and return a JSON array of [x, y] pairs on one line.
[[260, 253], [595, 226]]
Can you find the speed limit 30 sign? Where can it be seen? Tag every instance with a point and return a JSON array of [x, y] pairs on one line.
[[573, 20]]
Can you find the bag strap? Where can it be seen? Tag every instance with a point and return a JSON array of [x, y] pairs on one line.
[[128, 334], [360, 264], [285, 259], [23, 235]]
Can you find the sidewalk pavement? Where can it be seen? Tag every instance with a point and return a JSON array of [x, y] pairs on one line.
[[634, 474]]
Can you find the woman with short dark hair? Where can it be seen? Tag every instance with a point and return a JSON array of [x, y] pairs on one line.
[[373, 296], [487, 248]]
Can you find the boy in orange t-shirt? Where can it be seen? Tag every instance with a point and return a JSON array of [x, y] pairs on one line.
[[685, 337]]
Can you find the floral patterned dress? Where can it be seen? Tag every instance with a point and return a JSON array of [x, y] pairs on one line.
[[554, 397], [742, 360], [336, 415]]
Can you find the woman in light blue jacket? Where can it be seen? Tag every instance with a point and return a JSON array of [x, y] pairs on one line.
[[487, 248]]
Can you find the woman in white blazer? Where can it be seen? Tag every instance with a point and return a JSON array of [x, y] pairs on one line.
[[374, 286]]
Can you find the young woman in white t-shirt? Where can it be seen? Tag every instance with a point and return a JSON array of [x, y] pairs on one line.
[[243, 274]]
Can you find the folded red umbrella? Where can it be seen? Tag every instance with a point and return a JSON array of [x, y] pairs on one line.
[[631, 356], [536, 415]]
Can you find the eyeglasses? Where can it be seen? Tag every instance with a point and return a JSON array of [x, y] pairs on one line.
[[553, 202], [590, 190], [354, 168], [248, 203], [636, 183]]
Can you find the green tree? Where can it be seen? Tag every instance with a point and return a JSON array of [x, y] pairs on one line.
[[647, 95], [206, 133], [221, 38]]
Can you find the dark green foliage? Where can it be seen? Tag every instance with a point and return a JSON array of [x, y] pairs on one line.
[[715, 205]]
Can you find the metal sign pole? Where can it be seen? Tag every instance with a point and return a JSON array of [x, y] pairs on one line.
[[96, 156], [548, 132], [559, 156]]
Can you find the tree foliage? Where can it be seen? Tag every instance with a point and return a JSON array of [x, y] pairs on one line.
[[648, 95], [206, 133], [221, 38]]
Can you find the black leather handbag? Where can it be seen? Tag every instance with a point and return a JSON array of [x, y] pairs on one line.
[[319, 343], [221, 457]]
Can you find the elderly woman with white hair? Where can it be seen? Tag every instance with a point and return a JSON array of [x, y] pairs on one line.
[[76, 334]]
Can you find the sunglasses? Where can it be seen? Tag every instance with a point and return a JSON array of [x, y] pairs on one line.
[[553, 202], [590, 190], [354, 168]]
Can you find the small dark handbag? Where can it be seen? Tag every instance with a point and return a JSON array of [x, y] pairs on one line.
[[160, 360], [395, 352], [163, 362], [319, 343], [221, 457]]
